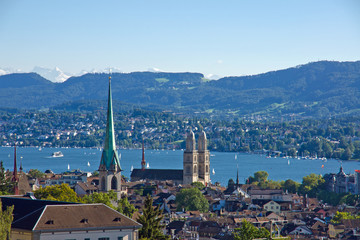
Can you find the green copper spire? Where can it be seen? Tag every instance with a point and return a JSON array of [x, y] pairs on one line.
[[110, 158]]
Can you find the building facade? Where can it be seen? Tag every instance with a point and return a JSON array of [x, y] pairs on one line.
[[196, 162]]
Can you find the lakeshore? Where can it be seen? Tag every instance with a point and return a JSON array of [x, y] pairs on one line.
[[223, 163]]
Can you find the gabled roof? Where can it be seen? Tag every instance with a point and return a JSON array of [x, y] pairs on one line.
[[25, 206], [75, 216], [157, 174]]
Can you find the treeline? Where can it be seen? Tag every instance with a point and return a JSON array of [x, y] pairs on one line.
[[312, 185], [331, 138]]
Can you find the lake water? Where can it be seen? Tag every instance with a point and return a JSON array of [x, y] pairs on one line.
[[223, 163]]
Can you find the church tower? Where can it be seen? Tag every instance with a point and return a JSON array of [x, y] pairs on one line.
[[109, 169], [204, 159], [190, 161], [15, 178]]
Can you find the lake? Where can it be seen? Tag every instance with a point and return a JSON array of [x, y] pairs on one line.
[[224, 163]]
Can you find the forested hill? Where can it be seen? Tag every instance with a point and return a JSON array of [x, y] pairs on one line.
[[312, 90]]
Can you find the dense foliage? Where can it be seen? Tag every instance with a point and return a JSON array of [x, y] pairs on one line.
[[248, 231], [151, 221], [6, 186], [191, 199], [330, 138], [6, 218]]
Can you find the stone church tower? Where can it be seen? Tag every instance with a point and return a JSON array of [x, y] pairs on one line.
[[190, 162], [109, 169], [196, 162], [203, 159]]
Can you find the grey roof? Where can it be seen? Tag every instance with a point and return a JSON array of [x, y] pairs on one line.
[[157, 174]]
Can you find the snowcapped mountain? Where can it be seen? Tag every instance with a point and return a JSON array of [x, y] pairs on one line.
[[4, 71], [94, 70], [54, 75]]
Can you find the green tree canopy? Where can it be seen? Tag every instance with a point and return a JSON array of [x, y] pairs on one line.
[[191, 199], [6, 186], [291, 186], [35, 173], [125, 207], [61, 192], [343, 215], [312, 184], [6, 218], [199, 185], [248, 231], [151, 221], [107, 198]]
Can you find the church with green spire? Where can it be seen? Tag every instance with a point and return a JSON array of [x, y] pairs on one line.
[[109, 169]]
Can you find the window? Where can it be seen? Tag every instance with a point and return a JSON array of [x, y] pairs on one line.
[[207, 168], [120, 238], [104, 238], [195, 169], [114, 183], [103, 183], [86, 238], [187, 169]]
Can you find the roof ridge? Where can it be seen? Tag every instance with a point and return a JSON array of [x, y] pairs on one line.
[[41, 208]]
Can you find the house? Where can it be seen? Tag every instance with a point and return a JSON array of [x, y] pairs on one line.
[[301, 230], [209, 229], [75, 221], [269, 194], [82, 188], [272, 206]]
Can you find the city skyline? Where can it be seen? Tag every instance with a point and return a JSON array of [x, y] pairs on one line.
[[210, 37]]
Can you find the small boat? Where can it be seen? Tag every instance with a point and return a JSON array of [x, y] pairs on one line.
[[68, 166], [213, 171], [288, 162], [132, 168], [40, 148], [88, 164], [57, 154], [147, 165]]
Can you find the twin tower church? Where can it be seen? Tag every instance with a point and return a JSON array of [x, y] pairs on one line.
[[196, 162]]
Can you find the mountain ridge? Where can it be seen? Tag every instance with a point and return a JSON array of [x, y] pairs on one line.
[[315, 89]]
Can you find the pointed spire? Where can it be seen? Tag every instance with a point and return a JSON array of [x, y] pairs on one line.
[[109, 158], [237, 175], [143, 162], [15, 178]]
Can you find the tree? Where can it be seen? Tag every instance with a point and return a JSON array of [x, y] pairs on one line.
[[311, 184], [61, 192], [261, 176], [199, 185], [151, 221], [191, 199], [342, 215], [291, 186], [6, 186], [6, 218], [35, 173], [248, 231], [125, 207], [101, 197]]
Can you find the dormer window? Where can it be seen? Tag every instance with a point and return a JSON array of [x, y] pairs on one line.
[[50, 222], [117, 219], [84, 220]]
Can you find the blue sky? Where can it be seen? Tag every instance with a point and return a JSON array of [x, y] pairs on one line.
[[212, 37]]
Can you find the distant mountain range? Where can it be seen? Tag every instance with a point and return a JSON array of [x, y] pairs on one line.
[[317, 89]]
